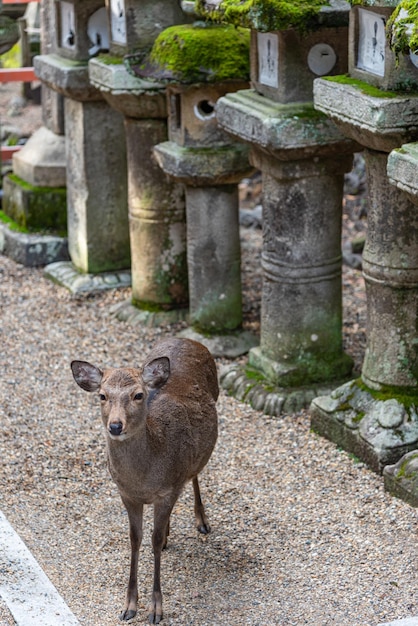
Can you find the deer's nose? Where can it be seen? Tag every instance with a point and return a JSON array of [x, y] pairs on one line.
[[115, 428]]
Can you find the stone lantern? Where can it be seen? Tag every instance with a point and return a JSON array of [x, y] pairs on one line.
[[156, 204], [376, 417], [98, 233], [302, 157], [34, 194], [201, 63]]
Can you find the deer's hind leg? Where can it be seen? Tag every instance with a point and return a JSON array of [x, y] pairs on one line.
[[202, 523]]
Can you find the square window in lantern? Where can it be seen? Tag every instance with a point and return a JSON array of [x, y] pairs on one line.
[[268, 59], [371, 43], [67, 23], [118, 21]]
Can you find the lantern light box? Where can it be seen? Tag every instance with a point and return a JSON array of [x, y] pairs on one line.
[[371, 58], [82, 28], [285, 63]]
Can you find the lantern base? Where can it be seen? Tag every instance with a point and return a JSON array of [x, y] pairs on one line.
[[230, 345], [250, 385], [67, 275], [377, 427]]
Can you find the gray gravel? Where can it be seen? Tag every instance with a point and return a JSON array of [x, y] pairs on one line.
[[301, 532]]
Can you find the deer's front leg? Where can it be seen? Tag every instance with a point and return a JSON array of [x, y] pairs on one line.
[[135, 533], [162, 512]]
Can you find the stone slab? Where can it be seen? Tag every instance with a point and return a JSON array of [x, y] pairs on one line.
[[287, 131], [204, 167], [230, 345], [29, 594], [67, 77], [32, 250], [131, 95], [249, 385], [408, 621], [110, 76], [379, 123], [66, 275], [37, 209], [379, 432], [401, 479], [127, 312], [402, 169], [41, 162]]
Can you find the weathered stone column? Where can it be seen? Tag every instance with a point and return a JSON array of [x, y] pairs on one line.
[[390, 269], [301, 315], [157, 222], [214, 257], [376, 417], [401, 478], [98, 235]]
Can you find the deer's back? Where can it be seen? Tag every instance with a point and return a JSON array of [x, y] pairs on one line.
[[192, 368], [182, 416]]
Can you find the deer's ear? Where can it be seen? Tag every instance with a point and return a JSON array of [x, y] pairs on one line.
[[156, 372], [86, 375]]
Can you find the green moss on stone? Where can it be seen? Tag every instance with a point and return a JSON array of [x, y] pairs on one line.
[[314, 368], [108, 59], [405, 470], [402, 27], [202, 53], [374, 3], [39, 209], [216, 317], [365, 88], [265, 15], [407, 396], [259, 379], [150, 307], [11, 223]]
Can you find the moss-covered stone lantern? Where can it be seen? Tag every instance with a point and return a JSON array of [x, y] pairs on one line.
[[377, 105], [200, 63], [303, 158]]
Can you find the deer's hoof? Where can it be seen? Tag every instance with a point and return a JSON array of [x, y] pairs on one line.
[[127, 615], [204, 529], [153, 618], [156, 608]]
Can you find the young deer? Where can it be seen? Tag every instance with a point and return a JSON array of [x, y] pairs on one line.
[[161, 427]]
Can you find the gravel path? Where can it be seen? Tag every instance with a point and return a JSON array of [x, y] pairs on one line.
[[301, 532]]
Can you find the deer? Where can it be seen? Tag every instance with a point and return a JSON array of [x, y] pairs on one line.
[[161, 427]]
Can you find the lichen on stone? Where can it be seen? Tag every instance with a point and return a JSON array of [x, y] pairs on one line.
[[402, 28], [264, 15], [201, 52], [374, 3]]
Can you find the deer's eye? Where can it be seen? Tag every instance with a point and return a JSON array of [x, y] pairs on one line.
[[102, 397], [138, 396]]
